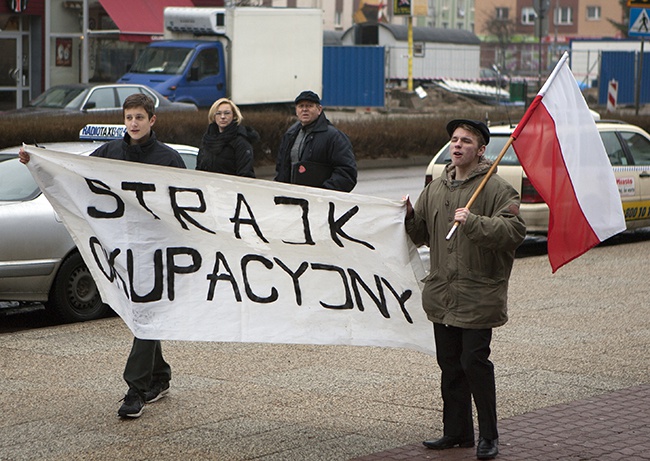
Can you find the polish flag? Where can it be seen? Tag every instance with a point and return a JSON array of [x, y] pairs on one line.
[[558, 145]]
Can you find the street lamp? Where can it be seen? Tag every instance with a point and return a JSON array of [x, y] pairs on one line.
[[540, 7]]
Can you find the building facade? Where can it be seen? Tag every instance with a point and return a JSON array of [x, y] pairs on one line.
[[520, 43], [452, 14], [21, 27], [563, 19]]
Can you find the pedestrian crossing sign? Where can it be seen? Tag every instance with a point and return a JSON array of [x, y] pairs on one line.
[[639, 23]]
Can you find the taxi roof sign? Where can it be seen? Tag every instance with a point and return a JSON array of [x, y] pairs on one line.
[[102, 132], [639, 3]]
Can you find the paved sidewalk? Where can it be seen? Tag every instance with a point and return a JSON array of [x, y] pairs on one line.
[[571, 365], [612, 426]]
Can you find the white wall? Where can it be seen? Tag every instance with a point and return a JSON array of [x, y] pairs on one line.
[[65, 24], [585, 56]]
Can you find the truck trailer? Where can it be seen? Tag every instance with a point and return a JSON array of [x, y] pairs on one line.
[[248, 54]]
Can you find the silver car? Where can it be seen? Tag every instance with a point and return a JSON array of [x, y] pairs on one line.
[[76, 98], [38, 259]]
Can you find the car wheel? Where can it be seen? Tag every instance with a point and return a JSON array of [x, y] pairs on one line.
[[74, 296]]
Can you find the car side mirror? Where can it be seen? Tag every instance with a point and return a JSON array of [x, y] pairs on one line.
[[89, 105]]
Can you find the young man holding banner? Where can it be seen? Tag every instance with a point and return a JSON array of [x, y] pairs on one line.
[[146, 372], [465, 294]]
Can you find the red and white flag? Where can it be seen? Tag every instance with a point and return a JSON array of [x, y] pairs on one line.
[[559, 147]]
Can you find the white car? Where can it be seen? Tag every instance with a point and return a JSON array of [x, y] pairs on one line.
[[38, 259], [627, 146]]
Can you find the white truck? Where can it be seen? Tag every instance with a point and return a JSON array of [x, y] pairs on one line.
[[252, 55]]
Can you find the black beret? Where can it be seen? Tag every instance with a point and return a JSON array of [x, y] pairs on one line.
[[480, 126]]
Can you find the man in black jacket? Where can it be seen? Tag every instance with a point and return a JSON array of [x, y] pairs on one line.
[[146, 371], [313, 152]]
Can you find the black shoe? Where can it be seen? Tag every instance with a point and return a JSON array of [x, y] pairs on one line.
[[157, 391], [449, 442], [133, 405], [487, 449]]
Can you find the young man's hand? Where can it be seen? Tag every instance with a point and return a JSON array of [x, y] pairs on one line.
[[23, 156], [461, 215], [409, 207]]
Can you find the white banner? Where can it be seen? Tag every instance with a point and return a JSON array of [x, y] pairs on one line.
[[188, 255]]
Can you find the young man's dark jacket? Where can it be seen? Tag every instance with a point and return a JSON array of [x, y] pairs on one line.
[[228, 152], [152, 152], [324, 144]]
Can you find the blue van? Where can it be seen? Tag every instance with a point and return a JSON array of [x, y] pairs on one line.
[[191, 71]]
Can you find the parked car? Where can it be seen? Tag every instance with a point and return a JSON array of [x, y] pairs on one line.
[[94, 99], [628, 149], [38, 259], [492, 77]]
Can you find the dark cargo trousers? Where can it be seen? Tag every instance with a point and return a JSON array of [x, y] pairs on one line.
[[145, 365], [463, 357]]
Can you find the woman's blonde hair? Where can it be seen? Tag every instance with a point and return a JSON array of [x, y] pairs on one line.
[[237, 116]]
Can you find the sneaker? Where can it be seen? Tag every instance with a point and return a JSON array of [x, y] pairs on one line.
[[132, 407], [157, 391]]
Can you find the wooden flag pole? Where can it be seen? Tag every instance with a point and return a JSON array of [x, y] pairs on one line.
[[480, 187]]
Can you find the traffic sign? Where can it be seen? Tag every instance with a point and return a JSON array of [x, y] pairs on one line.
[[639, 22], [639, 3], [402, 7]]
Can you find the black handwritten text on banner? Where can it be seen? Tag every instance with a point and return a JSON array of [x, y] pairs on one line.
[[199, 256]]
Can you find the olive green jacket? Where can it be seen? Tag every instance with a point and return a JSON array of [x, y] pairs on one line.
[[467, 286]]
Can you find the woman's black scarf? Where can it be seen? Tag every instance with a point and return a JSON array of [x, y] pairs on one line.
[[214, 143]]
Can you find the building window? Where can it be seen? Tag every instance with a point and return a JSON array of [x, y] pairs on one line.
[[528, 16], [502, 13], [460, 25], [563, 16], [460, 9], [418, 49], [444, 11], [593, 13]]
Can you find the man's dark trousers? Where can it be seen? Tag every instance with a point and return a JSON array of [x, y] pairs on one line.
[[463, 357], [145, 364]]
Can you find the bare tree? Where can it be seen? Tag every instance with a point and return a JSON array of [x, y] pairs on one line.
[[503, 30]]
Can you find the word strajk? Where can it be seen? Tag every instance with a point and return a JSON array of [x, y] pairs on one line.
[[183, 216]]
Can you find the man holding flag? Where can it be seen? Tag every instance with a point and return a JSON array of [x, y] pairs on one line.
[[558, 145], [465, 294]]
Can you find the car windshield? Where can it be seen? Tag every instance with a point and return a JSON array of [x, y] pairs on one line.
[[492, 151], [16, 182], [57, 97], [162, 60]]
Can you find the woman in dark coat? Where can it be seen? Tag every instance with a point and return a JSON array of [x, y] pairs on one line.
[[226, 145]]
